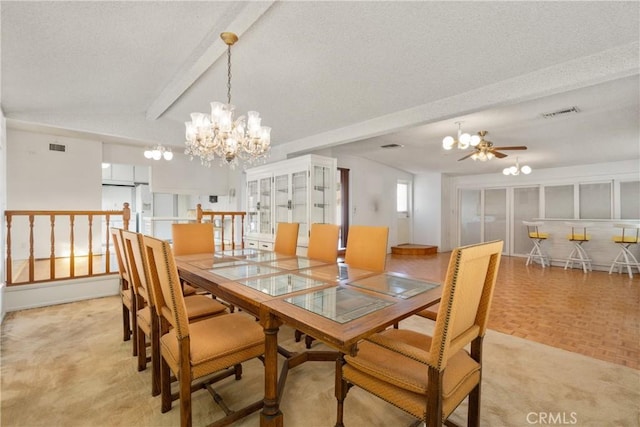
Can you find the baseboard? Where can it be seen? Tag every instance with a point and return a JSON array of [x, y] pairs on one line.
[[20, 297]]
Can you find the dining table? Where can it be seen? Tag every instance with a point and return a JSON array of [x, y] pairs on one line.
[[331, 302]]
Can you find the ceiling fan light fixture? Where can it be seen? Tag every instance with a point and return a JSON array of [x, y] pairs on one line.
[[516, 169], [462, 141], [475, 140]]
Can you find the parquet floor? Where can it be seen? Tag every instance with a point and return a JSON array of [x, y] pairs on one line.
[[595, 314]]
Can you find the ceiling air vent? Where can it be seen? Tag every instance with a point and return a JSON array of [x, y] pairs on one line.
[[392, 146], [57, 147], [569, 110]]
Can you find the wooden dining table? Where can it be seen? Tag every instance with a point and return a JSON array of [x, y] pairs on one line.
[[330, 302]]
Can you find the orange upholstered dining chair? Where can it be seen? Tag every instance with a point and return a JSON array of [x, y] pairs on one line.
[[191, 351], [286, 238], [429, 376], [367, 247], [127, 295], [323, 242], [198, 307], [192, 238]]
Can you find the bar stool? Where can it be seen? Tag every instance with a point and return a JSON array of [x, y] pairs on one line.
[[536, 237], [578, 254], [626, 258]]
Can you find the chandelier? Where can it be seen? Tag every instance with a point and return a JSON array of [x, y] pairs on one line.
[[516, 169], [462, 141], [218, 135], [158, 152]]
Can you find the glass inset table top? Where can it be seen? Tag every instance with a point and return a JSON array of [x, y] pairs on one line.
[[245, 271], [339, 304], [282, 284], [217, 263], [336, 272], [267, 256], [396, 286], [295, 263], [239, 252]]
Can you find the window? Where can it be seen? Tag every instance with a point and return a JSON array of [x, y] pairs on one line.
[[558, 201], [595, 200], [402, 196], [630, 200]]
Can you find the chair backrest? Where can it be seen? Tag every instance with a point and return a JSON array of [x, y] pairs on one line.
[[367, 247], [532, 229], [163, 274], [466, 299], [192, 238], [630, 233], [579, 230], [286, 238], [323, 242], [123, 266], [138, 272]]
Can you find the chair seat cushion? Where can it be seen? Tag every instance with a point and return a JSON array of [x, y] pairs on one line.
[[535, 235], [217, 342], [144, 320], [200, 306], [387, 373], [579, 237], [188, 290], [627, 239]]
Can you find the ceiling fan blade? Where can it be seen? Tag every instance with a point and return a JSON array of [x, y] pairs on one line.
[[515, 147], [467, 156], [499, 155]]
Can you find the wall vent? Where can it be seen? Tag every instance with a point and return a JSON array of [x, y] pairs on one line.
[[569, 110], [392, 146], [57, 147]]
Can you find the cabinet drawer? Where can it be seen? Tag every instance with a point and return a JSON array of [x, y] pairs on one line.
[[252, 244], [267, 246]]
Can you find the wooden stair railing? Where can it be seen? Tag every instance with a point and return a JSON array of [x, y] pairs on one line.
[[53, 218], [234, 217]]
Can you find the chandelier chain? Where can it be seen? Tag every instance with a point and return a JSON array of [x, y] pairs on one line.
[[229, 74]]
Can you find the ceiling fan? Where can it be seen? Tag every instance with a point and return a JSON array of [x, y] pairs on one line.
[[486, 151]]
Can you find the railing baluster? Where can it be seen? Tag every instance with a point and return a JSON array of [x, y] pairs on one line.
[[108, 223], [222, 227], [52, 256], [72, 256], [90, 259], [9, 260], [32, 264]]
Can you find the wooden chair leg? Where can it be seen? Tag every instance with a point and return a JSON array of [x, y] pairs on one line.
[[298, 335], [142, 350], [238, 371], [184, 379], [126, 324], [308, 340], [165, 386], [473, 415], [155, 355]]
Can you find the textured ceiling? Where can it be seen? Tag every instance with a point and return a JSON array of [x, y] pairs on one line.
[[348, 75]]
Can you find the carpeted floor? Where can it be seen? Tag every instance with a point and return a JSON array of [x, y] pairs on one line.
[[67, 365]]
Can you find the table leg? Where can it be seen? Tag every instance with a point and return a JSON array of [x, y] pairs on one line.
[[271, 416]]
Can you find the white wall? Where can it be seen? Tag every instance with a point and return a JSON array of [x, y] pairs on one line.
[[427, 196], [3, 207], [41, 179]]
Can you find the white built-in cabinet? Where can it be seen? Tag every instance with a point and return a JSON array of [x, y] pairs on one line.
[[302, 190]]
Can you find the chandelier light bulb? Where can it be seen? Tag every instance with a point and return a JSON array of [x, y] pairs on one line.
[[168, 155], [158, 152], [475, 140], [447, 142], [148, 154], [526, 170], [463, 140]]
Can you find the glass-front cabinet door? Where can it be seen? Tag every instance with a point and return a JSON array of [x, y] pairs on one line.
[[282, 197], [252, 206], [322, 195], [299, 203], [264, 208]]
